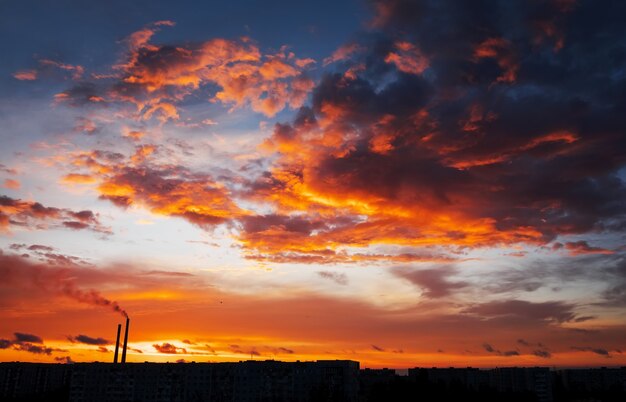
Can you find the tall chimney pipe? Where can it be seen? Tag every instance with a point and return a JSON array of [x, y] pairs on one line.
[[125, 340], [117, 342]]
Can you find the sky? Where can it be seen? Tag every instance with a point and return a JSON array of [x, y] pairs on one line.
[[398, 182]]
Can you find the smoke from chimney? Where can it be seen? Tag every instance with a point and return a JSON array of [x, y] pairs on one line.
[[21, 273], [91, 297], [117, 342]]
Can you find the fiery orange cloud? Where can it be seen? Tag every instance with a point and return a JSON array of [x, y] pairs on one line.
[[134, 135], [375, 160], [407, 58], [156, 77], [360, 220], [142, 152], [358, 179], [276, 68], [164, 190], [281, 238]]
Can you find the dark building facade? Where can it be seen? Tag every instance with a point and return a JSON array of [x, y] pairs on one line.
[[324, 380], [248, 381], [19, 381]]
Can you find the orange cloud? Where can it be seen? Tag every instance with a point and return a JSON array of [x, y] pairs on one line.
[[76, 178], [582, 247], [33, 215], [407, 58], [348, 174], [156, 77], [134, 135], [11, 184], [342, 53], [25, 75], [276, 68], [164, 190]]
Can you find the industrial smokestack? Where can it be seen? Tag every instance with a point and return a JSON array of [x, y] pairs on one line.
[[117, 342], [125, 340]]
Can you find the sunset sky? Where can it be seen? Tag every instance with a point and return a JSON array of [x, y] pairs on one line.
[[398, 182]]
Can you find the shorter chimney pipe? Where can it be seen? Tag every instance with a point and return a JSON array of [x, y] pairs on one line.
[[117, 342]]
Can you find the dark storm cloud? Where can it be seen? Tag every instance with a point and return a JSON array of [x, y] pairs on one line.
[[507, 353], [39, 247], [82, 94], [542, 353], [435, 282], [537, 349], [599, 351], [237, 349], [168, 348], [48, 255], [274, 350], [558, 312], [461, 110], [293, 224], [88, 340], [614, 273], [21, 337], [28, 343], [34, 215], [605, 270]]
